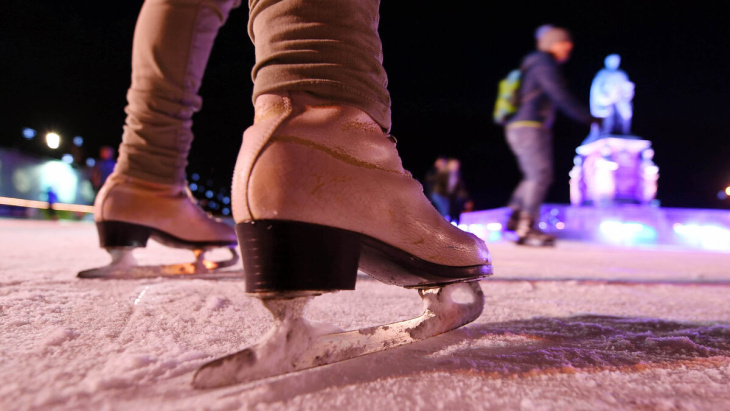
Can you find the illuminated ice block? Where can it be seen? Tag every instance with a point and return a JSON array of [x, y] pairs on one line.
[[625, 225], [613, 169]]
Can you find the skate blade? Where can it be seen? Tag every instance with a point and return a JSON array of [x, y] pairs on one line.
[[124, 266], [536, 243], [294, 345]]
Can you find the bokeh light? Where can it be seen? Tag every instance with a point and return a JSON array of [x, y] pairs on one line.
[[53, 140], [29, 133]]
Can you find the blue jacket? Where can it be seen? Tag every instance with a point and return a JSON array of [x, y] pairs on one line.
[[543, 89]]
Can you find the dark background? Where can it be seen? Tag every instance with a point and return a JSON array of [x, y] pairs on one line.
[[65, 67]]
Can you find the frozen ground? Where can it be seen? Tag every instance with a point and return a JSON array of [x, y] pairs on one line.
[[575, 327]]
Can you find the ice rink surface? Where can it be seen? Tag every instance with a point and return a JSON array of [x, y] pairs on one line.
[[576, 327]]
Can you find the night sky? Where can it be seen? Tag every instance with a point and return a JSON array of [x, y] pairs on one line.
[[66, 67]]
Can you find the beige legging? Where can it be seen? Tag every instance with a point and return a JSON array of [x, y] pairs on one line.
[[330, 48]]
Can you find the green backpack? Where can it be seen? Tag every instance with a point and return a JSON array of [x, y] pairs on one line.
[[508, 97]]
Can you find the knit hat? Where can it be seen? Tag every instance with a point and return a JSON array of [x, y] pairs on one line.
[[542, 30], [551, 36]]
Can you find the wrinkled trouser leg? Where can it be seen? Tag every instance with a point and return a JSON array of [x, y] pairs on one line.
[[329, 48], [533, 148], [172, 43]]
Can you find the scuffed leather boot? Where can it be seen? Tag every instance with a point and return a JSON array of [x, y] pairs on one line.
[[129, 210], [319, 190]]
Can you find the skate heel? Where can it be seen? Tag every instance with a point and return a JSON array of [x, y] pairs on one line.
[[297, 258], [121, 234]]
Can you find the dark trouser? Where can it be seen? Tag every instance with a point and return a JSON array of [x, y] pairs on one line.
[[533, 147]]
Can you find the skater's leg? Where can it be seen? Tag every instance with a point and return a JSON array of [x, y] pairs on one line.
[[516, 204], [533, 148], [516, 201], [328, 48], [147, 193], [317, 154], [172, 44]]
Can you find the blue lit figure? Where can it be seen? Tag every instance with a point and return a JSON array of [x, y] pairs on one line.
[[611, 95], [29, 133], [103, 168], [51, 198]]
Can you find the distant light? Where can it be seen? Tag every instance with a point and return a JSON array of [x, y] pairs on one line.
[[90, 162], [209, 194], [709, 237], [62, 178], [67, 158], [554, 212], [193, 186], [53, 140], [213, 205], [607, 164], [195, 177], [560, 225], [542, 225], [225, 211], [722, 195], [628, 232], [29, 133], [487, 232], [226, 200], [727, 190], [78, 141]]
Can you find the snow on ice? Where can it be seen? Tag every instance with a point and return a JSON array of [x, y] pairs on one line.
[[580, 326]]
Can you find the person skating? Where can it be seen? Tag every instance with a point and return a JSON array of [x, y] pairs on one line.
[[529, 132], [318, 190]]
